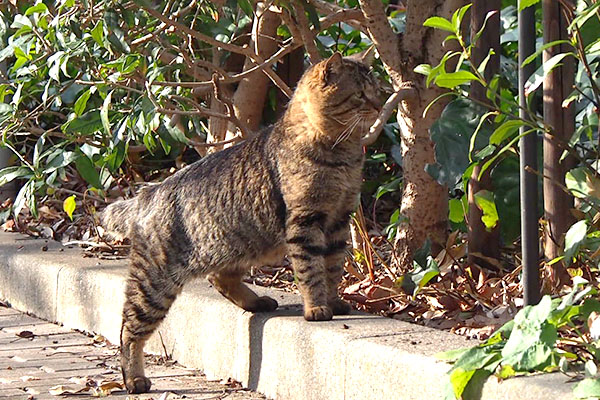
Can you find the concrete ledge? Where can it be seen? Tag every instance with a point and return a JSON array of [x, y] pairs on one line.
[[358, 356]]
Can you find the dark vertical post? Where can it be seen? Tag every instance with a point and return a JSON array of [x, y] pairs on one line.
[[528, 158], [558, 85], [481, 240]]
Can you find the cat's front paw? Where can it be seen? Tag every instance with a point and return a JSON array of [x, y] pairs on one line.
[[339, 307], [319, 313], [262, 304], [138, 384]]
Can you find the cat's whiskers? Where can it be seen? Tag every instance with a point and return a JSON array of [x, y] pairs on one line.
[[346, 133]]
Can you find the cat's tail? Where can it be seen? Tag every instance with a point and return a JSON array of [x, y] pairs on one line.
[[118, 217]]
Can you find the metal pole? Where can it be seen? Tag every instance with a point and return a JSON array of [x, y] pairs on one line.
[[528, 158]]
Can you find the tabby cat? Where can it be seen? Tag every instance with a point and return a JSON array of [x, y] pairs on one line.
[[290, 190]]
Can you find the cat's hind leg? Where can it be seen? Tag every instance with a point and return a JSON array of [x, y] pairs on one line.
[[229, 284], [149, 293]]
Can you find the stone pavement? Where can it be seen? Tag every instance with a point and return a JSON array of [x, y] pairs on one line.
[[37, 357]]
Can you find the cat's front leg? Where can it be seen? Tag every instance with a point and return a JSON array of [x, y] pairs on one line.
[[337, 235], [306, 248]]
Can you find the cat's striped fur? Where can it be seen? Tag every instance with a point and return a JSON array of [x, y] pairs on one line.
[[289, 191]]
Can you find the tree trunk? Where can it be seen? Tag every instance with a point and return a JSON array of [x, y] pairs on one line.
[[558, 84], [480, 240], [424, 201], [249, 98]]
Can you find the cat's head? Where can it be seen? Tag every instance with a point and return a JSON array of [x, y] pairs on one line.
[[339, 93]]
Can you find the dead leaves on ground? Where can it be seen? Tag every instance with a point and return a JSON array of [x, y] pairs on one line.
[[95, 388], [463, 298]]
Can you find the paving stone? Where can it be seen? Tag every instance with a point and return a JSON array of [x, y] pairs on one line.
[[55, 355]]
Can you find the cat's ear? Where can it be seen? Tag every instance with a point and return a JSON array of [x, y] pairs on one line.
[[331, 66], [334, 62], [365, 57]]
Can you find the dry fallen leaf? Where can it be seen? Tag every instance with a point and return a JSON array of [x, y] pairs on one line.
[[62, 350], [28, 378], [47, 369], [63, 389], [594, 325], [99, 339], [31, 392], [26, 335], [105, 388], [81, 381]]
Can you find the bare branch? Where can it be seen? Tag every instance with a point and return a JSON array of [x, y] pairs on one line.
[[171, 111], [386, 112], [384, 38], [229, 105], [307, 36], [234, 139], [329, 8], [181, 29], [342, 15]]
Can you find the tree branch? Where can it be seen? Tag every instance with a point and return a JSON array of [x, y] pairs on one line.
[[305, 33], [386, 112], [385, 40]]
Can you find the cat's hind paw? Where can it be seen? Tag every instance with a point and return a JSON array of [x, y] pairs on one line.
[[139, 384], [319, 313], [339, 307]]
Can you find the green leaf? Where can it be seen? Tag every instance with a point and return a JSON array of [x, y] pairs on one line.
[[506, 130], [69, 206], [452, 355], [176, 133], [9, 50], [458, 16], [313, 16], [456, 213], [505, 181], [389, 187], [542, 48], [415, 280], [60, 160], [459, 378], [86, 169], [439, 23], [9, 174], [81, 102], [38, 8], [37, 150], [523, 4], [246, 7], [574, 238], [485, 202], [86, 124], [587, 388], [451, 134], [451, 80], [104, 113], [582, 184], [594, 48], [98, 33], [116, 157], [537, 78], [423, 69], [531, 342]]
